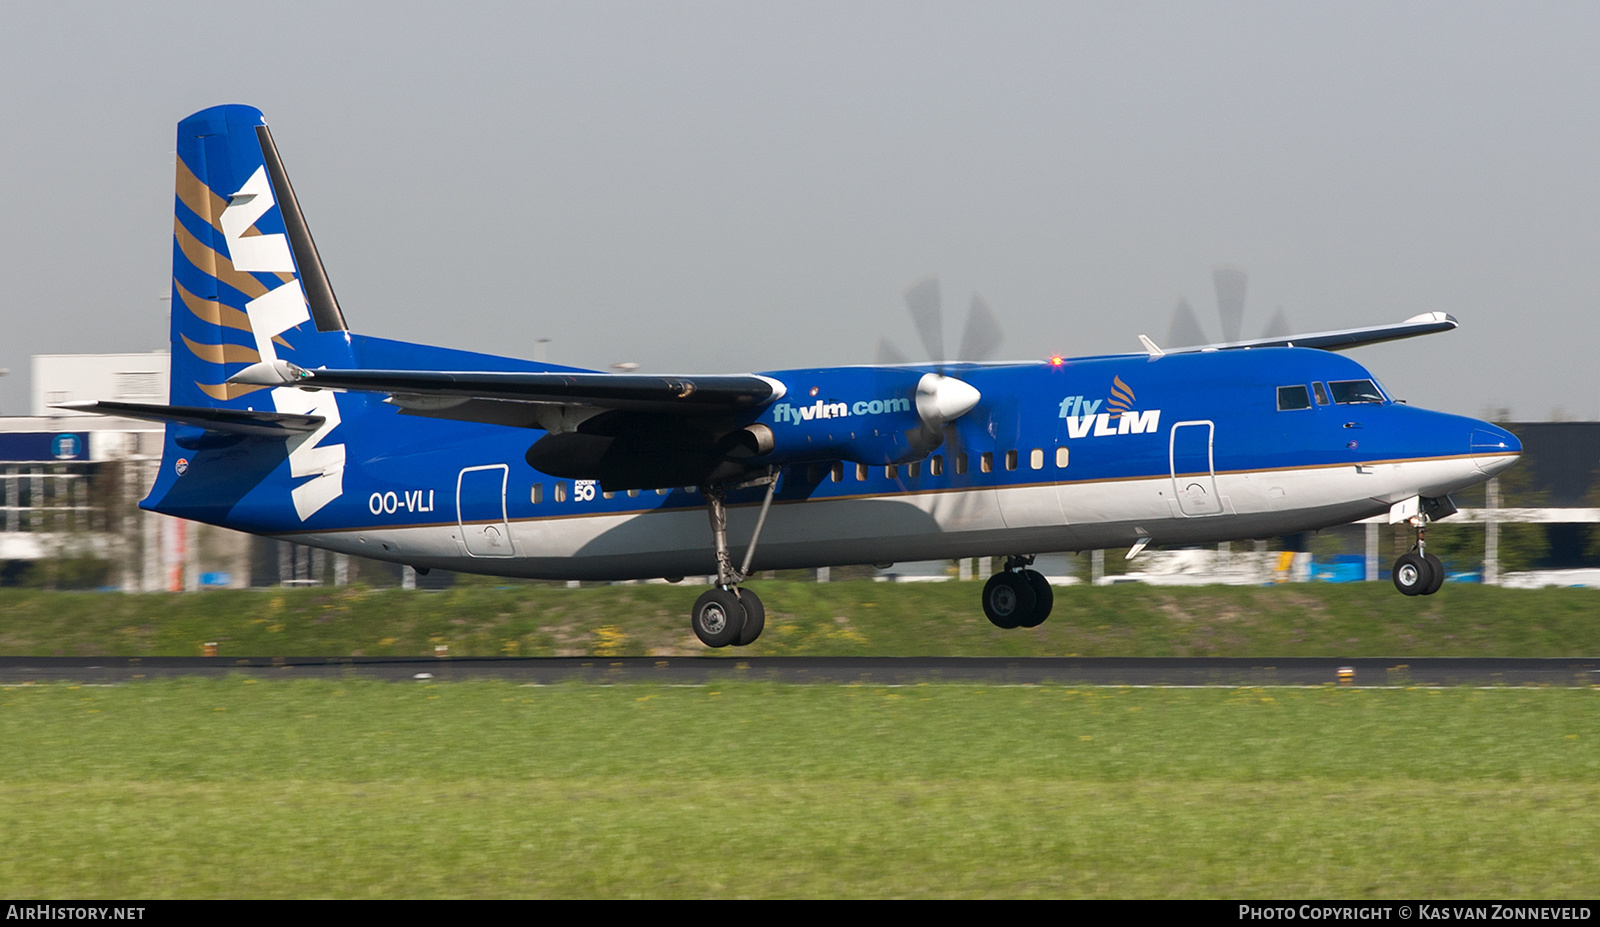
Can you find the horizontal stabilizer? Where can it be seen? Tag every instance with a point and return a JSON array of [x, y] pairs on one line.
[[1427, 323], [436, 391], [227, 421]]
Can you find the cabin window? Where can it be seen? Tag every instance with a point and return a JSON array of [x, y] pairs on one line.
[[913, 470], [663, 491], [936, 465], [1061, 458], [1036, 458], [1011, 460], [891, 471], [986, 462], [861, 473], [1351, 391], [608, 495], [561, 492], [1293, 397], [836, 472], [814, 474], [961, 463], [536, 494], [1322, 393], [633, 494]]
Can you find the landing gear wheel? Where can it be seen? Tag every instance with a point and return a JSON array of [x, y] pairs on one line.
[[718, 618], [1437, 566], [755, 618], [1412, 574], [1008, 599], [1044, 598]]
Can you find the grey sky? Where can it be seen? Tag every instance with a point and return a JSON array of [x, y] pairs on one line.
[[735, 186]]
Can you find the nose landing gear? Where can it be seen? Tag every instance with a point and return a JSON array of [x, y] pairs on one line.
[[1418, 572]]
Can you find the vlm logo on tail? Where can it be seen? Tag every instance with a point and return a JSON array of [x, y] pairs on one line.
[[236, 270], [284, 308], [1120, 418]]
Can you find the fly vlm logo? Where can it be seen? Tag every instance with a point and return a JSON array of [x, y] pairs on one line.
[[784, 412], [1120, 418], [270, 315]]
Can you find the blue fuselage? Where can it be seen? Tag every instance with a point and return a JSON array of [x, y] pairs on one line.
[[1088, 453]]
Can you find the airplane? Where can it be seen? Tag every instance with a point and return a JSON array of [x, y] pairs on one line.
[[285, 423]]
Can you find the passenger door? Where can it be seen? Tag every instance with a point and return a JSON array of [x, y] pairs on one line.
[[481, 510], [1191, 456]]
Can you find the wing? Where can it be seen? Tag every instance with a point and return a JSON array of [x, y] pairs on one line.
[[1425, 324], [526, 399]]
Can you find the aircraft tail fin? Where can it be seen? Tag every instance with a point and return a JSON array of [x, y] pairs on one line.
[[247, 282], [248, 288]]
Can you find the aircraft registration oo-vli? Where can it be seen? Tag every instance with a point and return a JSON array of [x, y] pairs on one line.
[[287, 424]]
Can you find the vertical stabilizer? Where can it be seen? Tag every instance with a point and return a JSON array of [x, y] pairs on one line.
[[248, 286]]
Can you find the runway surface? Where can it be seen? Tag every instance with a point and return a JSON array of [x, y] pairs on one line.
[[1131, 671]]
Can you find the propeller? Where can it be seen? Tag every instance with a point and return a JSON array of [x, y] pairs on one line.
[[941, 398], [1185, 330], [980, 338], [1231, 282]]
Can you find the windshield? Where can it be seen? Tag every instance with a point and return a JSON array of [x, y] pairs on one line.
[[1348, 391], [1293, 397]]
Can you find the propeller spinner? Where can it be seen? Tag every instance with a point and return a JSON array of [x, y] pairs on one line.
[[941, 398]]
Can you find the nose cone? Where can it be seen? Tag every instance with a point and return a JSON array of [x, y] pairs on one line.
[[1493, 448]]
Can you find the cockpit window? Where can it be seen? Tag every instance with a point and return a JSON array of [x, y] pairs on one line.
[[1293, 397], [1322, 393], [1348, 391]]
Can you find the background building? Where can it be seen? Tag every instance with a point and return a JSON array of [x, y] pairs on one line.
[[70, 484]]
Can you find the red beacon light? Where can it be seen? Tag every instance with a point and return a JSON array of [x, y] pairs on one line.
[[1056, 360]]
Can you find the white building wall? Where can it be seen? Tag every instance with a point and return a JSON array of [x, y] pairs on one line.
[[61, 378]]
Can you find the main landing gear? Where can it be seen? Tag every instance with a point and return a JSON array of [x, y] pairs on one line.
[[1418, 572], [1017, 597], [727, 614]]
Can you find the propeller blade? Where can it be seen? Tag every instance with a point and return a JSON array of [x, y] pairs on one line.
[[1230, 283], [888, 354], [922, 298], [1278, 326], [1185, 331], [981, 340]]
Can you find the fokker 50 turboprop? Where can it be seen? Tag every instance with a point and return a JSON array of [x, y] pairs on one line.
[[285, 423]]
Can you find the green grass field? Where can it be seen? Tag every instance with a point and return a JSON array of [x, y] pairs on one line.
[[853, 618], [238, 788]]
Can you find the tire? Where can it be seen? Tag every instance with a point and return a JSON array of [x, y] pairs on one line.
[[1008, 599], [1412, 574], [1437, 566], [1044, 599], [718, 618], [755, 618]]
